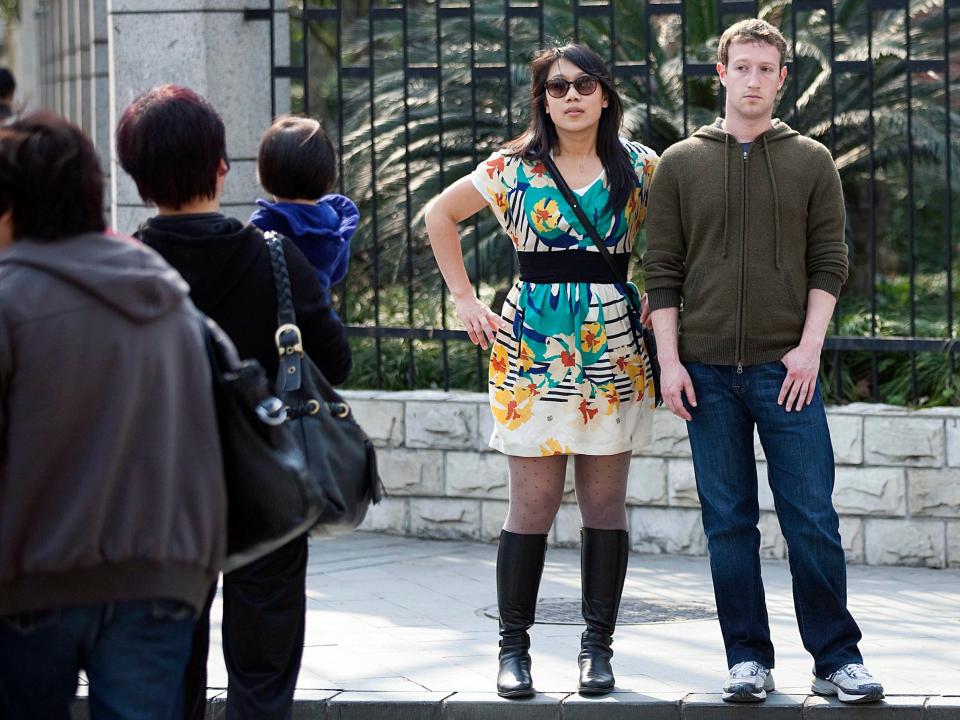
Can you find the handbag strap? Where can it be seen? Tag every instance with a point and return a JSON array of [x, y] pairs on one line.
[[587, 225], [287, 337]]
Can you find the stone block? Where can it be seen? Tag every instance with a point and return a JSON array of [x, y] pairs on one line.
[[764, 493], [647, 482], [682, 484], [567, 526], [390, 515], [904, 707], [953, 546], [570, 482], [484, 429], [916, 442], [905, 542], [393, 705], [708, 706], [942, 708], [669, 436], [851, 537], [870, 491], [445, 518], [127, 218], [309, 704], [620, 706], [846, 435], [934, 493], [472, 474], [772, 543], [411, 472], [667, 530], [382, 420], [492, 515], [440, 425], [953, 441], [489, 706]]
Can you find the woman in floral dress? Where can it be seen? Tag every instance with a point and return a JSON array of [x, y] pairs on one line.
[[568, 375]]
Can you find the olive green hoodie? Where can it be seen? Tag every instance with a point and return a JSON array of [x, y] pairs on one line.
[[738, 238]]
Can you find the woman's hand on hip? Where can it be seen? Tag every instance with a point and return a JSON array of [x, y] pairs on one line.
[[480, 321]]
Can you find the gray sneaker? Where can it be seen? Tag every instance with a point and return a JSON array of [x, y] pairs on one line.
[[852, 683], [748, 682]]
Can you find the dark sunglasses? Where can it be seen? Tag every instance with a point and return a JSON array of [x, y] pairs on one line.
[[558, 87]]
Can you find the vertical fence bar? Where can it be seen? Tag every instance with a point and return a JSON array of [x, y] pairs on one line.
[[871, 129], [910, 229], [340, 128], [273, 60], [441, 171], [474, 161], [796, 69], [374, 229], [306, 57], [948, 193], [683, 69], [408, 214], [648, 53]]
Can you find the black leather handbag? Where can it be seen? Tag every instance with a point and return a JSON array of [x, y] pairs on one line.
[[340, 456], [641, 333], [271, 496]]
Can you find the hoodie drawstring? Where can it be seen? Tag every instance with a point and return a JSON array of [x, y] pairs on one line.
[[776, 202], [726, 192]]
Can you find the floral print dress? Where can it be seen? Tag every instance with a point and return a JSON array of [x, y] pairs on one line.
[[570, 376]]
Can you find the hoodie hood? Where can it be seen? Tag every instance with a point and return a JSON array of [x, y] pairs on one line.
[[116, 270], [214, 253], [779, 131], [322, 231]]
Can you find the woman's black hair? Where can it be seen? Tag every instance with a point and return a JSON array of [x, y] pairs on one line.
[[540, 137]]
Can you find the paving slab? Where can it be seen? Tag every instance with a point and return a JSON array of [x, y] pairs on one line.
[[777, 706]]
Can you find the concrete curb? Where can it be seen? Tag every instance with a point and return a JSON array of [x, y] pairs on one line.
[[347, 705]]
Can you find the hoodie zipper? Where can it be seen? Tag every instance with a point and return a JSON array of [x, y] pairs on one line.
[[741, 295]]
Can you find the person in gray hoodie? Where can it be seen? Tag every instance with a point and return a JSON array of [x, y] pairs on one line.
[[112, 497]]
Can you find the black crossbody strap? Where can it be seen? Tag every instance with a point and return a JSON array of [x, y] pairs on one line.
[[288, 339], [581, 216]]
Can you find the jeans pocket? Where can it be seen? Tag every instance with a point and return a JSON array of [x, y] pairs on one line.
[[27, 623], [173, 610]]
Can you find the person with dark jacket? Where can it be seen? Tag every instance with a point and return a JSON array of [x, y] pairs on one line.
[[112, 496], [746, 232], [172, 142]]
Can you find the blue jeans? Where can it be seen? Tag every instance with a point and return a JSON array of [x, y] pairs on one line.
[[133, 653], [801, 474]]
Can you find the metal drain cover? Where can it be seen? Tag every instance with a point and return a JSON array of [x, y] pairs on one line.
[[566, 611]]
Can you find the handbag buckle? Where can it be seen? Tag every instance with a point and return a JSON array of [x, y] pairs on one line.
[[288, 348]]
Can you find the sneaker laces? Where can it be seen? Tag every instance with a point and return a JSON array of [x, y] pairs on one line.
[[856, 671], [747, 669]]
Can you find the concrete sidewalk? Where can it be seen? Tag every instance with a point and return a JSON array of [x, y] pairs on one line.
[[396, 627]]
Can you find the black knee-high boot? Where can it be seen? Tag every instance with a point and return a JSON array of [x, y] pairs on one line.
[[519, 567], [603, 567]]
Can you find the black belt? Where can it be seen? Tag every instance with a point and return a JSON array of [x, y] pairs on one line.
[[570, 266]]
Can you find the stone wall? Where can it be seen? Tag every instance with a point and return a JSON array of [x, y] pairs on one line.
[[897, 487]]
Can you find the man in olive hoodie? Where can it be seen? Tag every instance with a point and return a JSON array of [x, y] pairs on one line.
[[745, 233], [112, 496]]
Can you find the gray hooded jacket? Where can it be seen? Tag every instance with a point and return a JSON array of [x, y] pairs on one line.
[[111, 479]]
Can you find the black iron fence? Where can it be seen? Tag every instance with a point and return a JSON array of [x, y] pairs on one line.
[[416, 93]]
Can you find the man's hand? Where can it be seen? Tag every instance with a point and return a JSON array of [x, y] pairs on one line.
[[645, 313], [803, 365], [674, 382]]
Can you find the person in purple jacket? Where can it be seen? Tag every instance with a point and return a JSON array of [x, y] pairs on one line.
[[296, 164]]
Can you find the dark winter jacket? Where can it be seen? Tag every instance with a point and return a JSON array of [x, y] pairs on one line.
[[111, 478], [740, 237], [227, 266]]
